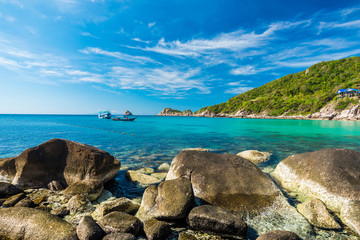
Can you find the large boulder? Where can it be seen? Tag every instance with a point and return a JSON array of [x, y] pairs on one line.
[[156, 230], [33, 224], [59, 160], [171, 200], [239, 186], [225, 180], [331, 175], [217, 220], [88, 229], [350, 215]]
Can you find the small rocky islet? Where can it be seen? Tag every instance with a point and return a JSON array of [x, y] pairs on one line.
[[56, 191]]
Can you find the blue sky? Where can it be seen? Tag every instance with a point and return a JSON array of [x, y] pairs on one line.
[[81, 56]]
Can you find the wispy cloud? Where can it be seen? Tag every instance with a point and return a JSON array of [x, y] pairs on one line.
[[165, 81], [139, 40], [118, 55], [87, 34], [151, 24], [238, 90], [234, 41]]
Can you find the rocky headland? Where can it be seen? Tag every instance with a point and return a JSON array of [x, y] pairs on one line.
[[56, 191]]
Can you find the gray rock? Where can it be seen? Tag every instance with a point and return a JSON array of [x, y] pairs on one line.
[[331, 175], [156, 230], [11, 201], [141, 178], [79, 204], [92, 189], [171, 200], [239, 186], [350, 215], [8, 189], [119, 236], [217, 220], [120, 222], [55, 186], [25, 202], [59, 160], [279, 235], [88, 229], [121, 205], [255, 156], [317, 214], [32, 224]]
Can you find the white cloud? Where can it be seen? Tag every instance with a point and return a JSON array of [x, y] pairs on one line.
[[244, 70], [139, 40], [9, 63], [87, 34], [348, 11], [166, 81], [235, 41], [238, 90], [118, 55], [151, 24]]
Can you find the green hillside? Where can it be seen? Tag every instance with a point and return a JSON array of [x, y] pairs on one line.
[[300, 93]]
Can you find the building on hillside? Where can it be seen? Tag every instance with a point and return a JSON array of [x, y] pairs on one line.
[[349, 92]]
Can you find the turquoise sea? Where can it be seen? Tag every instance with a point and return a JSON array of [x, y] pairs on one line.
[[150, 141]]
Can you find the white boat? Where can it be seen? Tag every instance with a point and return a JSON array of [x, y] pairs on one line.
[[104, 115]]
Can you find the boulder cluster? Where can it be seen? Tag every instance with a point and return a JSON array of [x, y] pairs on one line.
[[56, 191]]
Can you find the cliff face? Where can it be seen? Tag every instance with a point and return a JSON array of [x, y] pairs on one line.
[[174, 112]]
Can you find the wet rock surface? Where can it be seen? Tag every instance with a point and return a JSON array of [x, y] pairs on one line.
[[279, 235], [120, 222], [121, 205], [88, 229], [156, 230], [255, 156]]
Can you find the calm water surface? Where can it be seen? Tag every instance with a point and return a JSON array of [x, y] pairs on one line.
[[150, 141]]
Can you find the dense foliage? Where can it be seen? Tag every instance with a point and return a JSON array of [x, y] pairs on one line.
[[300, 93]]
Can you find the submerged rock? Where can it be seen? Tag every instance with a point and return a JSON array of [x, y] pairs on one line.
[[171, 200], [120, 222], [79, 204], [255, 156], [164, 167], [141, 178], [32, 224], [238, 185], [331, 175], [316, 213], [156, 230], [59, 160], [160, 176], [279, 235], [216, 219], [145, 170]]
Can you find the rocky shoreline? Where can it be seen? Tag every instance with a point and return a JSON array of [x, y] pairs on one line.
[[56, 191], [329, 112]]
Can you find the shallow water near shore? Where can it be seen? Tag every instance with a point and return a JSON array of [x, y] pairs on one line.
[[150, 141]]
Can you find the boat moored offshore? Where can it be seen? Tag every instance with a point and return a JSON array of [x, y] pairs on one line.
[[104, 115]]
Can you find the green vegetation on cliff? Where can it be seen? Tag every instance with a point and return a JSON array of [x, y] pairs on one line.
[[300, 93]]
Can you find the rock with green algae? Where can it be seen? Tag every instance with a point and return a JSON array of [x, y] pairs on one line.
[[160, 176], [32, 224], [255, 156], [164, 167], [80, 204], [88, 229], [145, 170], [120, 204], [119, 236], [238, 185], [171, 200], [120, 222], [317, 214], [279, 235]]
